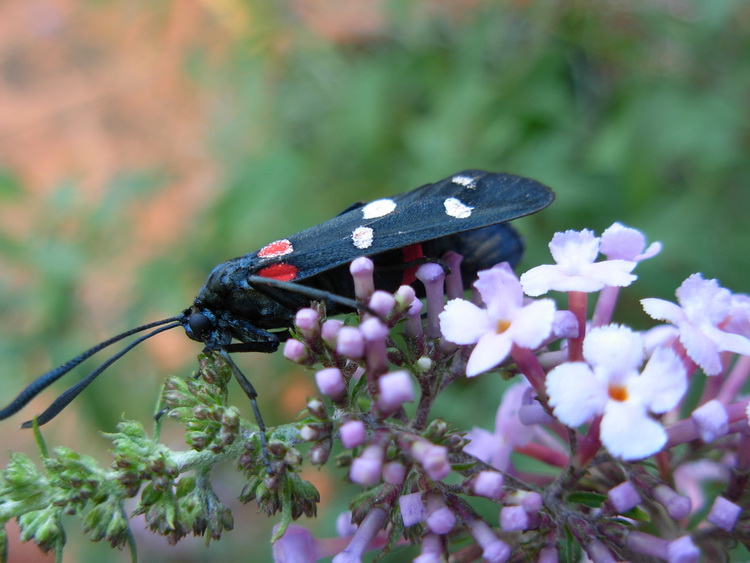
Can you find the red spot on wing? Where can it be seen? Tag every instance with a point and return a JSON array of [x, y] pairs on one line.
[[281, 272], [411, 253], [276, 248]]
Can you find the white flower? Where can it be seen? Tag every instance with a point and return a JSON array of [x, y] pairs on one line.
[[703, 306], [625, 243], [506, 320], [575, 270], [610, 384]]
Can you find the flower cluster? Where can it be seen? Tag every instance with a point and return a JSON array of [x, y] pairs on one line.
[[603, 443], [594, 400]]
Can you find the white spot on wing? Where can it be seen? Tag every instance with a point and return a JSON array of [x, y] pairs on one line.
[[362, 237], [465, 181], [378, 208], [454, 208]]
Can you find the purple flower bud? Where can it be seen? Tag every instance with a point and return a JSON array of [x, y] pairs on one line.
[[454, 285], [413, 327], [363, 537], [307, 321], [432, 549], [514, 519], [599, 552], [405, 296], [394, 473], [353, 433], [493, 549], [677, 506], [296, 351], [412, 508], [532, 502], [647, 544], [724, 514], [433, 276], [712, 420], [331, 383], [440, 519], [366, 469], [382, 303], [361, 270], [375, 334], [548, 555], [395, 389], [350, 343], [624, 497], [344, 526], [488, 484], [432, 458], [682, 550], [330, 331], [496, 552], [564, 325], [297, 544]]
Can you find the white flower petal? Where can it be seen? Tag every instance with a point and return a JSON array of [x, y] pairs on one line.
[[653, 249], [739, 317], [621, 242], [612, 272], [704, 299], [584, 283], [491, 349], [540, 280], [701, 349], [614, 348], [663, 382], [574, 248], [500, 290], [726, 341], [660, 335], [532, 324], [462, 322], [629, 433], [626, 243], [663, 310], [575, 393]]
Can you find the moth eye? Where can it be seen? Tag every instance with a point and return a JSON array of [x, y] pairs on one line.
[[199, 324]]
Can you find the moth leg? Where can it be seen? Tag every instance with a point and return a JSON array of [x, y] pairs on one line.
[[252, 394]]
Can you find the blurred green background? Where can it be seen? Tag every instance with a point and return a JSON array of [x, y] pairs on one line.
[[142, 143]]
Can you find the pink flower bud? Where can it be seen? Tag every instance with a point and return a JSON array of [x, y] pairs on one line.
[[296, 351], [331, 383], [395, 389], [361, 270], [353, 433]]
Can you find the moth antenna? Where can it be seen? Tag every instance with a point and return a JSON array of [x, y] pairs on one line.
[[44, 381], [65, 398]]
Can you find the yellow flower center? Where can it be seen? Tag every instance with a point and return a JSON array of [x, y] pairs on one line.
[[617, 393], [502, 326]]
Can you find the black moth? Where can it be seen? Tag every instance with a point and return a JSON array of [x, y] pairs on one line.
[[248, 303]]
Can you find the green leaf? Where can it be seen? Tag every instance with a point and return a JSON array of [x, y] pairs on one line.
[[586, 498]]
